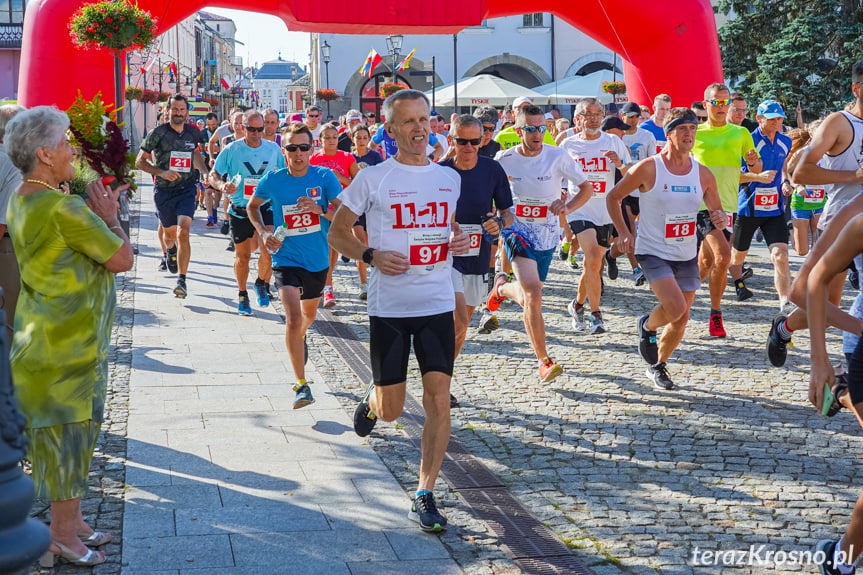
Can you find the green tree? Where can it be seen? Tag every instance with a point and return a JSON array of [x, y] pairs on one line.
[[792, 51]]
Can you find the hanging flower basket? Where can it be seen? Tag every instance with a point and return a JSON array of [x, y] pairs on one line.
[[164, 96], [614, 87], [211, 101], [114, 25], [388, 90], [327, 94], [133, 93]]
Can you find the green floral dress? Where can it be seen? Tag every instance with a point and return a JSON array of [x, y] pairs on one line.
[[62, 334]]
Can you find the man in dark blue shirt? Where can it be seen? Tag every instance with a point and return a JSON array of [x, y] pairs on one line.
[[484, 189]]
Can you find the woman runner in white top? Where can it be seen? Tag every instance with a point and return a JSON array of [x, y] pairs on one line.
[[672, 186]]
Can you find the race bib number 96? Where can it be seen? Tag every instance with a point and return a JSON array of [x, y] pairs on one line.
[[531, 210]]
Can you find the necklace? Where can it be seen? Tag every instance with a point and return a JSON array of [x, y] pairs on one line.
[[46, 184]]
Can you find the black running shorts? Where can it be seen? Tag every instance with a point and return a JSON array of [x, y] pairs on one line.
[[242, 228], [310, 284], [774, 228], [390, 345], [603, 233]]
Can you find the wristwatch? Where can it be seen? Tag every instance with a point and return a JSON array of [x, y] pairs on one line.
[[368, 255]]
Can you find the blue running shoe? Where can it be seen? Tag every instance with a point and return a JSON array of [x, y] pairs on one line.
[[424, 511], [243, 308], [263, 294], [304, 396]]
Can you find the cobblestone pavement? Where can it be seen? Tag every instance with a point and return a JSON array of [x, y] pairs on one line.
[[632, 478]]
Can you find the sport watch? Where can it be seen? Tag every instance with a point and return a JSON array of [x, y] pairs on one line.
[[368, 255]]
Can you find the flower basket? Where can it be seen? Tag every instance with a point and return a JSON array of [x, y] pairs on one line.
[[214, 102], [112, 24], [388, 90], [163, 96], [133, 93], [327, 94], [614, 87]]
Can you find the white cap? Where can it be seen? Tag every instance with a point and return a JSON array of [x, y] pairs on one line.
[[521, 102], [548, 116], [354, 117]]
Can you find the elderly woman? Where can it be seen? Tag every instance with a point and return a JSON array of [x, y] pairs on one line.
[[68, 250]]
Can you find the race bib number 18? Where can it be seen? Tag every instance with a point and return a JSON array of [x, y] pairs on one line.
[[679, 228], [181, 162], [474, 232], [427, 250], [300, 223]]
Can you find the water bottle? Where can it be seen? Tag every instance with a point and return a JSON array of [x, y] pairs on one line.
[[280, 234], [237, 180]]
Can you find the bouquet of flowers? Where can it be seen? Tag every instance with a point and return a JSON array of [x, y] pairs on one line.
[[95, 132], [327, 94], [112, 24], [388, 90], [614, 87]]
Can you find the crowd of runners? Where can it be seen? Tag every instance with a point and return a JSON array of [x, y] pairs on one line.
[[470, 211]]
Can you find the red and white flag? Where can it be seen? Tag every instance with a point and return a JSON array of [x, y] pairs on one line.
[[225, 84]]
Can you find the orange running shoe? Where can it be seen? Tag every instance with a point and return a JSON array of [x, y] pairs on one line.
[[494, 298], [549, 370]]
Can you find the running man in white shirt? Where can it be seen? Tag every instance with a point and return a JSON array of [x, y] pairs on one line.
[[671, 186], [409, 203], [535, 171]]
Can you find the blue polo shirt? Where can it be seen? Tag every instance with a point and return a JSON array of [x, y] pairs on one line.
[[765, 200], [651, 127], [390, 145]]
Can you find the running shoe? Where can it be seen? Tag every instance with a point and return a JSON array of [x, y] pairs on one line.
[[211, 222], [747, 273], [596, 325], [564, 251], [244, 307], [230, 247], [364, 292], [826, 567], [163, 264], [743, 293], [424, 511], [549, 370], [180, 289], [716, 328], [453, 402], [487, 322], [577, 314], [787, 308], [329, 298], [659, 376], [777, 346], [612, 265], [346, 259], [364, 418], [304, 396], [172, 260], [494, 298], [647, 347], [573, 262], [854, 279], [263, 294], [226, 227], [638, 277]]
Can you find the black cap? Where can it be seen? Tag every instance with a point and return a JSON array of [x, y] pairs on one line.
[[614, 123], [631, 109]]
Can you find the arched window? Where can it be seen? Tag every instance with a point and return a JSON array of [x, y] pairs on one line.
[[370, 100]]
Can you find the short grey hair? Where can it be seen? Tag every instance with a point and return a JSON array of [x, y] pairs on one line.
[[29, 130], [7, 112], [582, 105], [270, 112], [389, 103], [466, 121], [249, 114], [486, 114]]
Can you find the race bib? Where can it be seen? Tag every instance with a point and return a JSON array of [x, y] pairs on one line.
[[299, 223], [532, 210], [814, 195], [427, 250], [659, 146], [249, 187], [181, 162], [679, 228], [766, 199], [474, 232], [599, 181], [729, 225]]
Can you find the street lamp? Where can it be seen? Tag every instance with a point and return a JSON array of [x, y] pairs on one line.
[[325, 57], [394, 46]]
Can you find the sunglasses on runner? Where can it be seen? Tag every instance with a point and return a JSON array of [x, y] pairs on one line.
[[465, 141], [488, 128], [533, 129], [253, 128], [702, 119], [300, 147], [722, 102]]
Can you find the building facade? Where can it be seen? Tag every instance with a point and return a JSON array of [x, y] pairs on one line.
[[279, 84], [11, 33]]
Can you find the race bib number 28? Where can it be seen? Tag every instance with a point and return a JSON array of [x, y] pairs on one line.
[[300, 223]]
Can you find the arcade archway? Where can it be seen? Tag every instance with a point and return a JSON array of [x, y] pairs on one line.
[[671, 47]]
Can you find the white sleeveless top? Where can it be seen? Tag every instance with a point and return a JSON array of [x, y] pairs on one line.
[[850, 159], [666, 226]]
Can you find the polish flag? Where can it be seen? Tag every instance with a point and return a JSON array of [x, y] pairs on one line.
[[225, 84]]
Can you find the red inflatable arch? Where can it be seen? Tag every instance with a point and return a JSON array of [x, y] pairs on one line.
[[671, 46]]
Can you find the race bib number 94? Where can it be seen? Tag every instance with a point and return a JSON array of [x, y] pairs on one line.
[[427, 250], [531, 210], [300, 223], [766, 199]]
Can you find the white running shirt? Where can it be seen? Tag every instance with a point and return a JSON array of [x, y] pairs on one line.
[[535, 184], [589, 155], [408, 210], [851, 159]]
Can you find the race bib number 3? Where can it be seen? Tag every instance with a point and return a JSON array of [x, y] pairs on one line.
[[249, 187], [300, 223], [181, 162], [814, 195], [427, 250], [766, 199], [679, 228], [474, 231], [531, 211]]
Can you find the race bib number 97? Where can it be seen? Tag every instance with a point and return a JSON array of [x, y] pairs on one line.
[[427, 250], [300, 223]]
